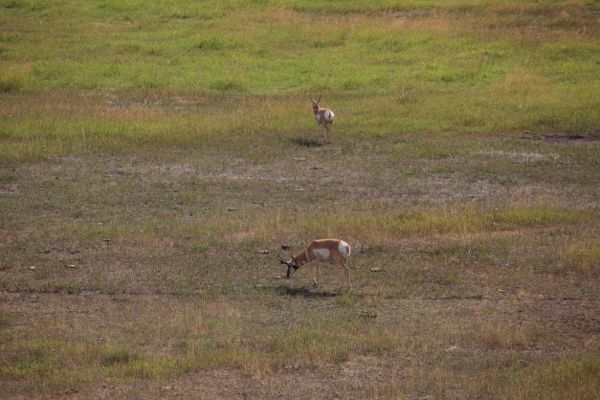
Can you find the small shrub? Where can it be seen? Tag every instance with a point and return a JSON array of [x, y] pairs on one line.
[[11, 4], [506, 337], [11, 82], [116, 356], [211, 43], [227, 85]]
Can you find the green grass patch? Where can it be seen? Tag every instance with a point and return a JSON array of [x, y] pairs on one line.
[[384, 227], [12, 80], [581, 256], [398, 67], [566, 379]]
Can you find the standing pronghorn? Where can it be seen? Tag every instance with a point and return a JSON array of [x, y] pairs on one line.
[[324, 117], [333, 251]]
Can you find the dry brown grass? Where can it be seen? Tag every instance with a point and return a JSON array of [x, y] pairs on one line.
[[469, 297]]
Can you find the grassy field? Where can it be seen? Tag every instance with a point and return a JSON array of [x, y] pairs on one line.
[[154, 157]]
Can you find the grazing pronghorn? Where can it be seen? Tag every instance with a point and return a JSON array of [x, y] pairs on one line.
[[333, 251], [324, 117]]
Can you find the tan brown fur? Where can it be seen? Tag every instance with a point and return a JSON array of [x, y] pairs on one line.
[[320, 116], [310, 256]]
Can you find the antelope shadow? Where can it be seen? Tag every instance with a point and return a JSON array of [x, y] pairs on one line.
[[302, 141], [304, 292]]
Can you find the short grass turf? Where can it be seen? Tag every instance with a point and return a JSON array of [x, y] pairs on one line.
[[155, 157]]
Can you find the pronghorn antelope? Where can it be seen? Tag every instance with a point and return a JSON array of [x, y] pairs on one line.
[[324, 117], [334, 251]]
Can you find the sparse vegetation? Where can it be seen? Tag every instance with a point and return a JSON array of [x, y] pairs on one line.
[[566, 379], [582, 256], [150, 152]]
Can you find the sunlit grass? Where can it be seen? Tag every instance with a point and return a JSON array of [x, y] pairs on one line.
[[577, 378], [154, 157], [430, 72], [389, 228], [36, 128]]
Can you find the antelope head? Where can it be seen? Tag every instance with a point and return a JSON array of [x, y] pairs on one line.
[[291, 264], [315, 104]]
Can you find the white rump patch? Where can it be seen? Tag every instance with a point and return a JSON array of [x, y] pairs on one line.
[[322, 254], [329, 116], [344, 248]]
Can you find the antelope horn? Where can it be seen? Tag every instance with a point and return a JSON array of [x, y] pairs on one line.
[[319, 99], [283, 261]]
